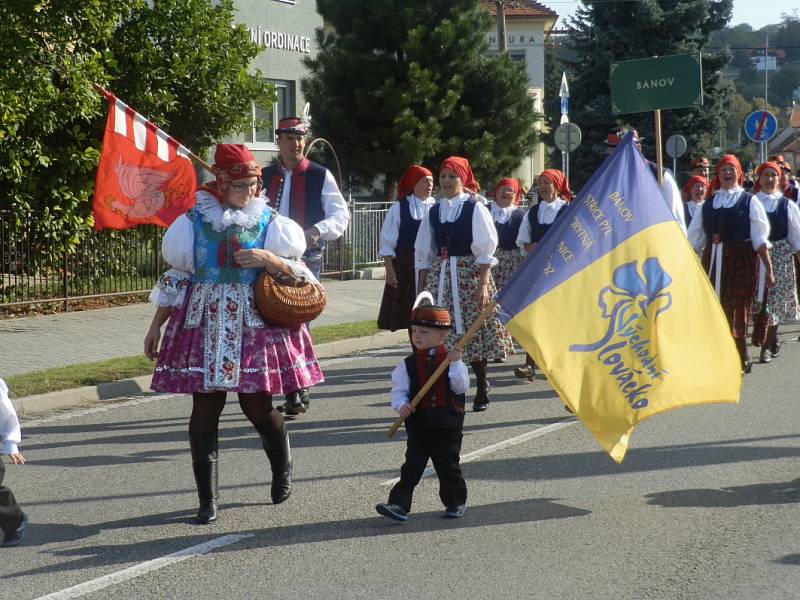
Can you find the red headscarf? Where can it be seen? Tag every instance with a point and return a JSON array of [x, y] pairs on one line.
[[411, 178], [728, 159], [512, 183], [461, 168], [559, 181], [232, 161], [687, 187], [763, 167]]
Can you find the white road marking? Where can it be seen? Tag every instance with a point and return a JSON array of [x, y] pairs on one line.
[[151, 565], [465, 458]]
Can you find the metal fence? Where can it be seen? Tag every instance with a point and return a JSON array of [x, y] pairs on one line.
[[34, 269]]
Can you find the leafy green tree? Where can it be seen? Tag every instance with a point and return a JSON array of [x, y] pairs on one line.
[[609, 32], [416, 91], [180, 63]]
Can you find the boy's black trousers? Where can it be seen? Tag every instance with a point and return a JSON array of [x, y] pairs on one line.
[[10, 512]]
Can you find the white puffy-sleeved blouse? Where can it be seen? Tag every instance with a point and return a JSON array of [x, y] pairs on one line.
[[10, 435], [759, 223], [770, 203], [285, 238], [484, 234], [390, 230]]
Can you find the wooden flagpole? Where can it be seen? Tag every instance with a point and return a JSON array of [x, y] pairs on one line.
[[105, 93], [485, 314], [659, 155]]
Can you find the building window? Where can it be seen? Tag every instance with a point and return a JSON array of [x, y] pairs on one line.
[[264, 137]]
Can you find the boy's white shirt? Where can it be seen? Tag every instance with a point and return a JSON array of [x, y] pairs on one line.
[[10, 434], [401, 383]]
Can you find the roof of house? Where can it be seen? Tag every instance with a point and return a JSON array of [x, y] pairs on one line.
[[520, 8]]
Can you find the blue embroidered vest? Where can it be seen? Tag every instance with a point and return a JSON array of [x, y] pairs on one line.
[[779, 221], [507, 232], [453, 239], [409, 226], [728, 224]]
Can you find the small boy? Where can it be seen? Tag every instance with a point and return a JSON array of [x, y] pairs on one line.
[[434, 427], [12, 520]]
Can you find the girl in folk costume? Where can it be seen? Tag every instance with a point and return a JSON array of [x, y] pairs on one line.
[[454, 252], [216, 342], [398, 234], [554, 195], [784, 235], [507, 216], [694, 194], [732, 230]]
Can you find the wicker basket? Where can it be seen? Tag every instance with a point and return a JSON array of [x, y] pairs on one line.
[[288, 306]]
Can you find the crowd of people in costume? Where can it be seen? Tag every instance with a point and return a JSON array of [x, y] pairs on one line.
[[455, 248]]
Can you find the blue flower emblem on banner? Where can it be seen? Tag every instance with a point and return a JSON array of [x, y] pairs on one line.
[[631, 297]]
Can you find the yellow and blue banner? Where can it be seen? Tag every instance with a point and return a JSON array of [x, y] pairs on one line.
[[616, 310]]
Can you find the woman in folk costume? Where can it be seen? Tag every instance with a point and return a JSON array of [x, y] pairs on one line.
[[507, 216], [398, 234], [784, 235], [554, 195], [216, 342], [454, 254], [694, 193], [732, 230]]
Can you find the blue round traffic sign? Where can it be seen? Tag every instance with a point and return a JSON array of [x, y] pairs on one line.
[[760, 126]]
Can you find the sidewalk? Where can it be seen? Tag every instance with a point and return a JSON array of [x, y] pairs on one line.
[[36, 343]]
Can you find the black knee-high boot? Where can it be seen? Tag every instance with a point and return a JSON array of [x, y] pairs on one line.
[[744, 357], [481, 401], [204, 462], [276, 445]]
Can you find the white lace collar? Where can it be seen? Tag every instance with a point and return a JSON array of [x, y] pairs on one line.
[[221, 216]]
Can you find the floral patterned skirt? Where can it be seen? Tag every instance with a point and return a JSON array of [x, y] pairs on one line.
[[492, 340], [507, 262], [217, 341], [782, 298]]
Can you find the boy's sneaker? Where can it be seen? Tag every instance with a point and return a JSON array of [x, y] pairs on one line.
[[454, 512], [15, 538], [393, 511]]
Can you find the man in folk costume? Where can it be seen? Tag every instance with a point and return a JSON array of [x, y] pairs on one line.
[[669, 189], [732, 230], [700, 167], [306, 193], [788, 182]]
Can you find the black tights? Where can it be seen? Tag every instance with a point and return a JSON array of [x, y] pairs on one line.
[[207, 407]]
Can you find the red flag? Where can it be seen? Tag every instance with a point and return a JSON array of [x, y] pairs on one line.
[[144, 175]]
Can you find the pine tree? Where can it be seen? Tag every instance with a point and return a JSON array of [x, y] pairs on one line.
[[611, 32], [417, 90]]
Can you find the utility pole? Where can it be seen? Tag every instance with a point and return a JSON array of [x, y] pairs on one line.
[[501, 25]]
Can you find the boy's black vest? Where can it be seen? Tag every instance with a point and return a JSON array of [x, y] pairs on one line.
[[409, 226], [447, 413], [305, 202], [779, 221], [507, 232], [453, 239], [728, 224], [539, 229]]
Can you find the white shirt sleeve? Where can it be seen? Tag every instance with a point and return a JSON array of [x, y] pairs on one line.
[[459, 377], [337, 215], [484, 236], [10, 434], [390, 230], [285, 238], [672, 196], [524, 235], [424, 245], [759, 224], [401, 387], [696, 233], [794, 225], [177, 247]]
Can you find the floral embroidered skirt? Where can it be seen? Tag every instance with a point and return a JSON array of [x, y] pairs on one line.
[[492, 340], [396, 304], [739, 276], [782, 298], [217, 341], [507, 262]]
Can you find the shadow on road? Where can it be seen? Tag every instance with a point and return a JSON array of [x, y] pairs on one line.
[[729, 497]]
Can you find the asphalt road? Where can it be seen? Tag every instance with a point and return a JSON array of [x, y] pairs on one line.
[[705, 504]]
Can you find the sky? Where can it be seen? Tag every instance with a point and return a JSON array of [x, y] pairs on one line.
[[753, 12]]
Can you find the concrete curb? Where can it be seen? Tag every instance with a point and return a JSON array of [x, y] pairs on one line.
[[64, 399]]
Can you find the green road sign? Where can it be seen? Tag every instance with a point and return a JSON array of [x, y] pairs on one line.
[[648, 84]]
